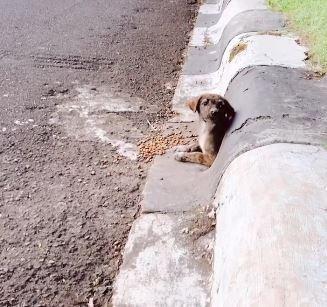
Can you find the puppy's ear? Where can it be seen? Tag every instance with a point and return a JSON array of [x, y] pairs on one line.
[[193, 104], [229, 110], [224, 105]]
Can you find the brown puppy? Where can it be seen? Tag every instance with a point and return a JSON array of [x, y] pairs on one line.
[[216, 115]]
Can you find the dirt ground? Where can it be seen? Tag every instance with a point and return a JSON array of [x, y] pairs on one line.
[[73, 109]]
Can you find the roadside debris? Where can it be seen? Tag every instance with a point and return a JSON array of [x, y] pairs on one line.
[[203, 223]]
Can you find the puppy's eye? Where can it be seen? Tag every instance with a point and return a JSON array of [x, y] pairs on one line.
[[205, 102]]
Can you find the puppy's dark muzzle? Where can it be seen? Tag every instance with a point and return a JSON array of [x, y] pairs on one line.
[[214, 113]]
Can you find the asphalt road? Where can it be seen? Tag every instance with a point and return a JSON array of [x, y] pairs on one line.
[[79, 82]]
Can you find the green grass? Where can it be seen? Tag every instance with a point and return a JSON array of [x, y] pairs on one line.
[[309, 19]]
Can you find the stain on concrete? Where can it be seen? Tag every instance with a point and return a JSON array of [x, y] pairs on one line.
[[241, 46]]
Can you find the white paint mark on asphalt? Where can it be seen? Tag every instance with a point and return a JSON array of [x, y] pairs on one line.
[[18, 122], [213, 34], [25, 122], [104, 99], [260, 50], [94, 115], [125, 149]]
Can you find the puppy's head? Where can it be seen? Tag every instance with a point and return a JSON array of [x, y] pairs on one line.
[[214, 108]]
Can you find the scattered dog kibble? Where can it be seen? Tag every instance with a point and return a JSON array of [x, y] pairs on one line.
[[158, 145]]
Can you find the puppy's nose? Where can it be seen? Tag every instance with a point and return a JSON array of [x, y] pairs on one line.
[[213, 112]]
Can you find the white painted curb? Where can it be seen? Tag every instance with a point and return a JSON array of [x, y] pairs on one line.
[[210, 9], [259, 50], [271, 232], [212, 35]]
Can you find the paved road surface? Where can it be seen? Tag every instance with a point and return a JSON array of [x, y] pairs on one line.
[[78, 81]]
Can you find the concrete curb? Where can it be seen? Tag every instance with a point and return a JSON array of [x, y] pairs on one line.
[[271, 228], [268, 50], [207, 59], [202, 36], [269, 172]]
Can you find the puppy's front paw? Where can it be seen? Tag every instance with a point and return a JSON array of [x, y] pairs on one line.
[[179, 148], [180, 156]]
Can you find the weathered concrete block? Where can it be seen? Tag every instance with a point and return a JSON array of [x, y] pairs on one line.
[[166, 263], [230, 9], [170, 186], [207, 59], [271, 233]]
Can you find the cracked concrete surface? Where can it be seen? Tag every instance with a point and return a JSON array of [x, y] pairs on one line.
[[249, 121]]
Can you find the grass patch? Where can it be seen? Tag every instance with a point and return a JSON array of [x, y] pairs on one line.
[[309, 19]]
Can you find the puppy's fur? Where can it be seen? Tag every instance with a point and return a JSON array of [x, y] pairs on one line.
[[215, 115]]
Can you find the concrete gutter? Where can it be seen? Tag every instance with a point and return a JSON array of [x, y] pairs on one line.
[[268, 185]]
